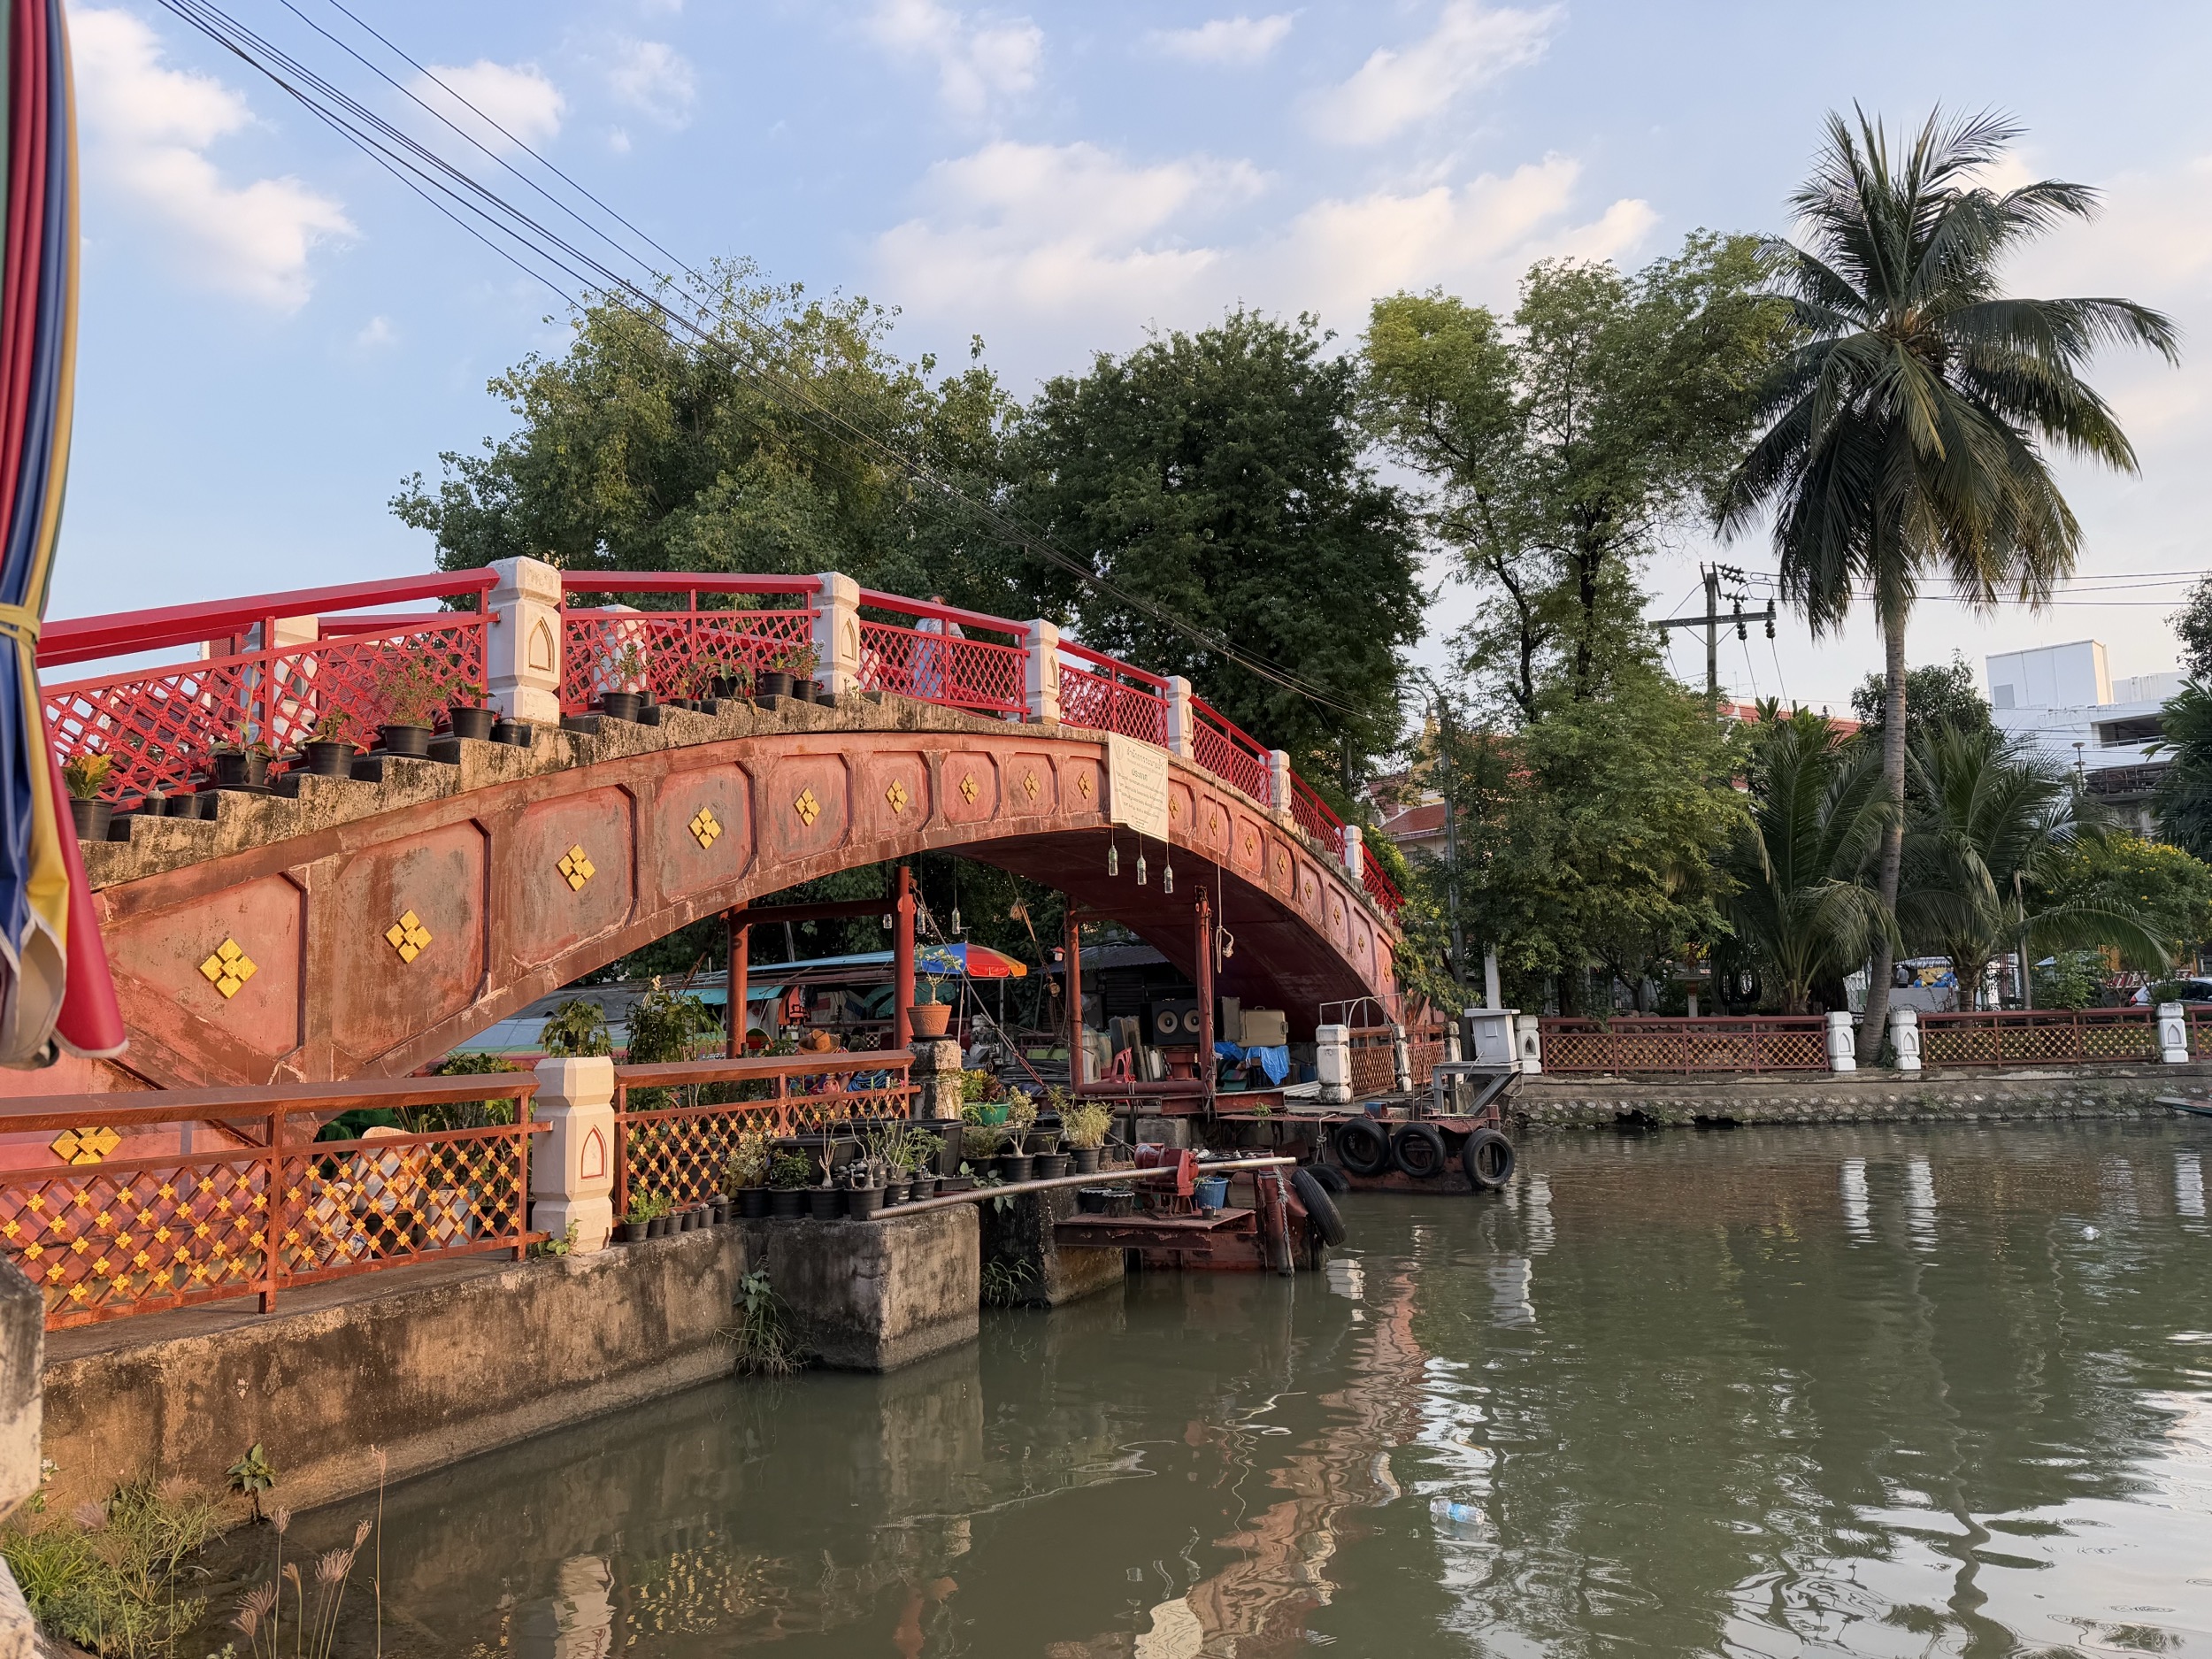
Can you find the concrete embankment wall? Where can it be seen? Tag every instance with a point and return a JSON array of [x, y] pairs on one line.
[[1593, 1102], [428, 1369]]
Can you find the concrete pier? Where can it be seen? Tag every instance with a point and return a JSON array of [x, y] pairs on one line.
[[877, 1295], [1031, 1271]]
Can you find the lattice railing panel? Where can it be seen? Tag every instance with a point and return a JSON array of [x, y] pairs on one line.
[[684, 1151], [1314, 816], [1776, 1043], [159, 725], [354, 1206], [2030, 1037], [1374, 1063], [1229, 755], [138, 1236], [1104, 703], [934, 667], [1379, 887], [679, 651]]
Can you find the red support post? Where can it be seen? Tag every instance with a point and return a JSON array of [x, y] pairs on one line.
[[739, 982], [1205, 916], [903, 961]]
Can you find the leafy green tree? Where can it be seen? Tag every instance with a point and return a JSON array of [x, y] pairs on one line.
[[1590, 838], [1936, 694], [1564, 443], [2193, 626], [1218, 476], [2185, 790], [2169, 888], [1803, 909], [1990, 824], [772, 445], [1908, 436]]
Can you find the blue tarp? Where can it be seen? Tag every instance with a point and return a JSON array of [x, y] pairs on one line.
[[1275, 1061]]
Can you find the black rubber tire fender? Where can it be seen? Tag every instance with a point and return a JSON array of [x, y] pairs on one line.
[[1332, 1179], [1419, 1150], [1361, 1146], [1321, 1211], [1487, 1159]]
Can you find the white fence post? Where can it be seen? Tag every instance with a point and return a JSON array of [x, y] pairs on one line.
[[1904, 1037], [1531, 1027], [2173, 1034], [1278, 780], [1040, 675], [837, 634], [522, 644], [1355, 855], [1843, 1045], [1182, 731], [572, 1168], [1332, 1063]]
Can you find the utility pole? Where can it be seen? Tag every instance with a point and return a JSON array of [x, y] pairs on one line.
[[1451, 832], [1714, 618]]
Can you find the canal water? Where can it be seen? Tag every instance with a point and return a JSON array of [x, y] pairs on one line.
[[1877, 1392]]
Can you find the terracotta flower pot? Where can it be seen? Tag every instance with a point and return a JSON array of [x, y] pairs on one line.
[[930, 1019]]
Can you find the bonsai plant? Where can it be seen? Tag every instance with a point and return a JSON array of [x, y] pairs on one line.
[[930, 1015], [466, 713], [331, 747], [1084, 1127], [787, 1176], [626, 703], [85, 776]]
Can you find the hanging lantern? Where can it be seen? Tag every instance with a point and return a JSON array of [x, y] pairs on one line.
[[1167, 878], [956, 918], [1139, 866], [1113, 857]]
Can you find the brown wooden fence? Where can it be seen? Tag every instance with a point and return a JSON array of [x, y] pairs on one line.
[[2038, 1037], [1783, 1042]]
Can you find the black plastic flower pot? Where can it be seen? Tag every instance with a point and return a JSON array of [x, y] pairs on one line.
[[752, 1203], [775, 685], [329, 759], [1015, 1166], [476, 723], [514, 733], [410, 742], [629, 1231], [234, 768], [1086, 1160], [803, 689], [863, 1202], [786, 1203], [824, 696], [622, 705], [921, 1188], [825, 1204], [1051, 1165], [660, 1227], [92, 819], [895, 1192]]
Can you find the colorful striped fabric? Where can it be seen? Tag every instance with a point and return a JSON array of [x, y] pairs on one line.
[[58, 989]]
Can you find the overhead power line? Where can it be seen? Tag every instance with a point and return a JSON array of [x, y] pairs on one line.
[[575, 273]]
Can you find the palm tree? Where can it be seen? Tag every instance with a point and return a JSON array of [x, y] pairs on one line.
[[1906, 436], [1990, 822], [1802, 908]]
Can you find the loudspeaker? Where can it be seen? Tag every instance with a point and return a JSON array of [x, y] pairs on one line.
[[1172, 1025]]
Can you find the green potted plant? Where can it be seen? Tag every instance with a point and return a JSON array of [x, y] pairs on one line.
[[637, 1221], [1084, 1127], [930, 1016], [748, 1176], [787, 1176], [660, 1215], [799, 661], [412, 698], [733, 674], [330, 750], [84, 776], [466, 714], [1018, 1162], [242, 763], [923, 1149], [627, 702], [775, 676]]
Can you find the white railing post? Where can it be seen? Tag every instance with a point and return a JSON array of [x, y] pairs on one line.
[[1278, 779], [2173, 1034], [1040, 673], [837, 634], [1843, 1046], [1531, 1027], [1182, 729], [1904, 1037], [522, 643], [572, 1167], [1332, 1063], [1355, 855]]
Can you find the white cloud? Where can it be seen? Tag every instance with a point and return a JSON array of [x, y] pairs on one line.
[[500, 105], [1471, 46], [654, 77], [1237, 40], [1024, 241], [147, 129], [979, 63], [376, 335]]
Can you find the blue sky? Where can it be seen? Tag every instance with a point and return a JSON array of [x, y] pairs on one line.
[[274, 332]]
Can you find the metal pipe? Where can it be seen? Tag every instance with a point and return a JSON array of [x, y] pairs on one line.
[[976, 1195]]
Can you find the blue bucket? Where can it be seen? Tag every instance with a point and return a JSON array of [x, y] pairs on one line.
[[1212, 1192]]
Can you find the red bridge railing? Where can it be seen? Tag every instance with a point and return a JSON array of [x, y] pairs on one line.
[[215, 1194], [277, 669]]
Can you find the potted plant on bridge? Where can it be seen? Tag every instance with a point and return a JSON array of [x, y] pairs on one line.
[[242, 763], [775, 675], [85, 776], [733, 674], [412, 697], [787, 1176], [467, 715], [930, 1015], [1084, 1127], [330, 750], [748, 1176], [626, 701]]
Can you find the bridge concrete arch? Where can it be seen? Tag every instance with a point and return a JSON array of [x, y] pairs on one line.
[[367, 927]]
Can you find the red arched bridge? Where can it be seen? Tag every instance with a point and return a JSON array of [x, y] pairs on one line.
[[320, 927]]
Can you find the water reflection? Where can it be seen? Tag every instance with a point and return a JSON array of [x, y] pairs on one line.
[[1670, 1394]]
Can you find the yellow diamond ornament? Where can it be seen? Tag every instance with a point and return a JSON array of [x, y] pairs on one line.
[[408, 936], [576, 868], [704, 828], [228, 969]]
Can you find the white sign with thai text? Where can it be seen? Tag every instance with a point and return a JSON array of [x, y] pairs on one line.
[[1136, 785]]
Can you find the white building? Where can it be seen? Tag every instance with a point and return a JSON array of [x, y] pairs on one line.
[[2063, 699]]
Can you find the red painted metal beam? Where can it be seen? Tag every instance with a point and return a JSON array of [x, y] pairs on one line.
[[84, 639]]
